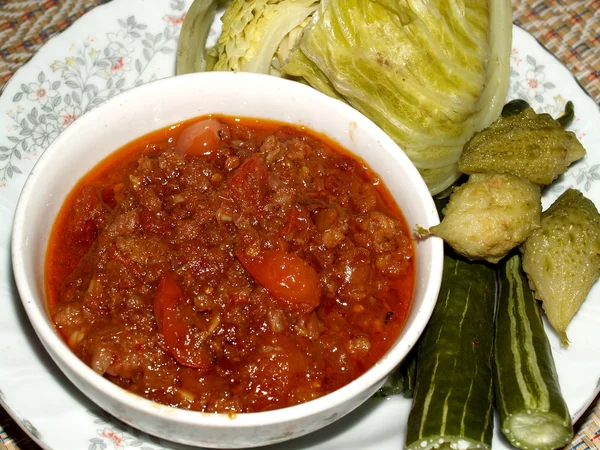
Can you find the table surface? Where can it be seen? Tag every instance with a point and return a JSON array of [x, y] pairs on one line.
[[570, 29]]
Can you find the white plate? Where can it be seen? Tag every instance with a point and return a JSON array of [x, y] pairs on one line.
[[128, 42]]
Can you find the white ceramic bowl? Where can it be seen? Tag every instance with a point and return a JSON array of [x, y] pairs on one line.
[[165, 102]]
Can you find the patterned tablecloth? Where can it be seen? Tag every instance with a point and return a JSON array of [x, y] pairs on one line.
[[568, 28]]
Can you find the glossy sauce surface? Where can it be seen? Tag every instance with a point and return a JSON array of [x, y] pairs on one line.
[[228, 265]]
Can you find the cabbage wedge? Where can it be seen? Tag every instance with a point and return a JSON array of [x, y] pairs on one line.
[[429, 73]]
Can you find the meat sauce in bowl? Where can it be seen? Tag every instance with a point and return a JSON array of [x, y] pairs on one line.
[[230, 265]]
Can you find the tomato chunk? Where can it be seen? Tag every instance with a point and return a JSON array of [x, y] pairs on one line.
[[181, 342], [87, 216], [200, 139], [249, 183], [287, 277]]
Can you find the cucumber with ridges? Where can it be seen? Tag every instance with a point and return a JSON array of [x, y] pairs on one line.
[[402, 380], [453, 398], [533, 413]]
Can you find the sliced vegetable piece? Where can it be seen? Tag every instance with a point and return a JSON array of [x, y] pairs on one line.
[[533, 413], [191, 47], [287, 277], [183, 343], [562, 258], [453, 396]]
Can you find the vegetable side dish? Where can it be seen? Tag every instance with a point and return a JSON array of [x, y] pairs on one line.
[[230, 266], [499, 208], [532, 411], [490, 214], [496, 216]]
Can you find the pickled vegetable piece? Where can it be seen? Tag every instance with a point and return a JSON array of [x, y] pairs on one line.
[[530, 145], [453, 394], [532, 411], [562, 257], [489, 215]]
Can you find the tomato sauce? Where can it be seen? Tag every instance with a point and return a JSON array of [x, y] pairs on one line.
[[230, 265]]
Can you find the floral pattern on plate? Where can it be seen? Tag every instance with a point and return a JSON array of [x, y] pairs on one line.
[[114, 434], [81, 80]]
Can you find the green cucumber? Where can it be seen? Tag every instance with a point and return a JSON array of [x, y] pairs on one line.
[[453, 398], [402, 380], [533, 413]]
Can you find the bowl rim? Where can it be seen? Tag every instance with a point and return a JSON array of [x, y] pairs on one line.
[[58, 349]]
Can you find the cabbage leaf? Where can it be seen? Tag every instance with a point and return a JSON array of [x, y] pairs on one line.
[[429, 72], [258, 35], [191, 47]]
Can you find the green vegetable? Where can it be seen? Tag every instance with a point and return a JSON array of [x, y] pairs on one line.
[[517, 106], [387, 60], [533, 413], [568, 116], [453, 395], [514, 107], [529, 145], [402, 380], [562, 257], [191, 48], [258, 35], [489, 215]]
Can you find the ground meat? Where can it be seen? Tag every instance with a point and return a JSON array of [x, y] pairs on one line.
[[256, 274]]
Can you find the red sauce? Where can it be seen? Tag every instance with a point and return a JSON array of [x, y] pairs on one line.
[[230, 266]]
